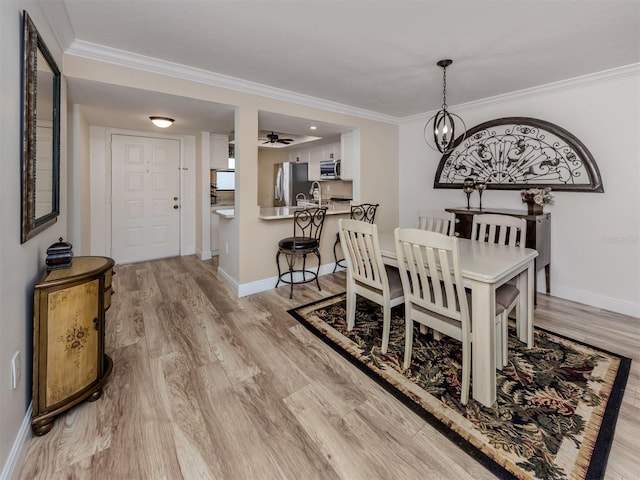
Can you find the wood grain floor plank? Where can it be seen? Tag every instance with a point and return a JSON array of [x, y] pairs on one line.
[[286, 440]]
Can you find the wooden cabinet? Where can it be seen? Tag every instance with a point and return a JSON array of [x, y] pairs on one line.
[[69, 363], [538, 233]]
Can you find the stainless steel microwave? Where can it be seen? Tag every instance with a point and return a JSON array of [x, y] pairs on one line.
[[329, 169]]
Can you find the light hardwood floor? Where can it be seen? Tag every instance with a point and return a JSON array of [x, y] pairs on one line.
[[209, 386]]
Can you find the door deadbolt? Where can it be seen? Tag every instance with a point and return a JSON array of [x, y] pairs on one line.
[[175, 199]]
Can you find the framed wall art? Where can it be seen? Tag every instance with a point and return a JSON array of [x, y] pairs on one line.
[[516, 153]]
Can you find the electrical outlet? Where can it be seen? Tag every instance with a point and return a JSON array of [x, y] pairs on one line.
[[226, 248], [328, 188], [16, 370]]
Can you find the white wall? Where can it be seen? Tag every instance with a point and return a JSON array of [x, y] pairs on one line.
[[595, 254], [20, 264]]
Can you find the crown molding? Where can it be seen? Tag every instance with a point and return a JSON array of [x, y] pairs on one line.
[[58, 20], [123, 58], [632, 70]]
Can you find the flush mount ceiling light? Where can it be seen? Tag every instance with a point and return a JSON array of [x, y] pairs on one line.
[[440, 130], [162, 122]]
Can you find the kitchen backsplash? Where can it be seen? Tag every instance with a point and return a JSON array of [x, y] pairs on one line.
[[223, 198]]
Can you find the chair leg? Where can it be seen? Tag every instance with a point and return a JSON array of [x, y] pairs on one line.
[[335, 254], [386, 327], [317, 252], [351, 309], [505, 339], [466, 372], [304, 267], [291, 260], [278, 264], [408, 337], [498, 342]]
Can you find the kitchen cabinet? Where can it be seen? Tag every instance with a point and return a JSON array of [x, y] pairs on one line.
[[69, 363], [347, 156], [299, 156], [315, 155], [331, 152], [219, 151]]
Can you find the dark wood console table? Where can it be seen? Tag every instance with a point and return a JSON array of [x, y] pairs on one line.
[[538, 233]]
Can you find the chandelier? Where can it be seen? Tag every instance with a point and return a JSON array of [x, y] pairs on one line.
[[440, 130]]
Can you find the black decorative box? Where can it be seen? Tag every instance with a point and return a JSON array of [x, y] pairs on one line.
[[59, 255]]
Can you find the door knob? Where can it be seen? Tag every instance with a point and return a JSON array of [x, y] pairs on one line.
[[175, 207]]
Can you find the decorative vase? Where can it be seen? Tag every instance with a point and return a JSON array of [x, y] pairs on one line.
[[533, 208]]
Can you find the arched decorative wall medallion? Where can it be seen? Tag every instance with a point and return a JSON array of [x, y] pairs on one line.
[[515, 153]]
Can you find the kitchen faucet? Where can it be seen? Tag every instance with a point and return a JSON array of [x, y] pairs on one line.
[[316, 185]]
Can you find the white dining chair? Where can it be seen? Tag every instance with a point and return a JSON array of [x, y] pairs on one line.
[[367, 275], [434, 293], [503, 230], [439, 221]]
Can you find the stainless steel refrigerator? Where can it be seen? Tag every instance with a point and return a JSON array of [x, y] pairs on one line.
[[290, 180]]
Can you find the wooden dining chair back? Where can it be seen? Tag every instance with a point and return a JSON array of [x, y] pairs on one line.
[[365, 212], [367, 275], [439, 221], [503, 230], [434, 292], [307, 230], [500, 229]]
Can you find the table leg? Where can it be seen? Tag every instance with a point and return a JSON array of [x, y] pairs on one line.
[[483, 365], [531, 273], [526, 285], [547, 277]]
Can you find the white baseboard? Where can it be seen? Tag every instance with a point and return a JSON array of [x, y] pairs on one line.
[[595, 300], [587, 298], [233, 285], [18, 450], [203, 254], [269, 283]]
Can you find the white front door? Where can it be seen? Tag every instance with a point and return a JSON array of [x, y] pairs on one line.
[[145, 198]]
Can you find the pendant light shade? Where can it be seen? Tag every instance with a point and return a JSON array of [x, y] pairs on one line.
[[440, 130], [162, 122]]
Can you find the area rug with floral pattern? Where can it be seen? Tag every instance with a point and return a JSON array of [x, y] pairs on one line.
[[557, 403]]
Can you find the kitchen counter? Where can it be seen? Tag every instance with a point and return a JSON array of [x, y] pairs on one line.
[[224, 212], [277, 213]]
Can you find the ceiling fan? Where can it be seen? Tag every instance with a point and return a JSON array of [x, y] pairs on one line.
[[274, 138]]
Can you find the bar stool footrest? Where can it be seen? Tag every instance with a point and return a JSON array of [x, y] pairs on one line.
[[307, 276]]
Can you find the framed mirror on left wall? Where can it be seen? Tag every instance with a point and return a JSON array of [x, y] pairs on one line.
[[40, 134]]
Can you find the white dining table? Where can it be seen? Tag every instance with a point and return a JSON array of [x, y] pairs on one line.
[[486, 266]]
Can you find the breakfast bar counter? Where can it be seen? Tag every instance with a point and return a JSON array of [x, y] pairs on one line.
[[278, 213]]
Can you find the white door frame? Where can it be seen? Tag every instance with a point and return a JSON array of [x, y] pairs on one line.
[[100, 189], [171, 174]]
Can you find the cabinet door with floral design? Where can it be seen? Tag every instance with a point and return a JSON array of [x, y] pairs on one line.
[[73, 341]]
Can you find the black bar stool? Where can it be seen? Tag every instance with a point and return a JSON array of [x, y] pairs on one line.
[[365, 212], [307, 229]]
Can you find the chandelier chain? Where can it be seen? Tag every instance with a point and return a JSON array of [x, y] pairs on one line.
[[444, 88]]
